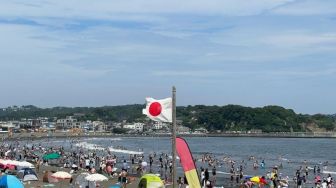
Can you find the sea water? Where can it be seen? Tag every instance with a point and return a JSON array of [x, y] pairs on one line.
[[291, 153]]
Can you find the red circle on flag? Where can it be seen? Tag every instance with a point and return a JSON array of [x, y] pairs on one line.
[[155, 109]]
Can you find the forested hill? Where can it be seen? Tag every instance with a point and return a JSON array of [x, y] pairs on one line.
[[213, 118]]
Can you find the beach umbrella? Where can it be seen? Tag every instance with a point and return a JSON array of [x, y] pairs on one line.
[[61, 175], [7, 164], [144, 163], [115, 186], [96, 177], [12, 162], [9, 181], [51, 156], [25, 164], [3, 161], [255, 179], [48, 179], [262, 180]]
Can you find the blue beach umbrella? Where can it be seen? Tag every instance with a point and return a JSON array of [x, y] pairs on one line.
[[248, 177], [115, 186], [9, 181]]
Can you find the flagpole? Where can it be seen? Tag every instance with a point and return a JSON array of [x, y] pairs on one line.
[[174, 137]]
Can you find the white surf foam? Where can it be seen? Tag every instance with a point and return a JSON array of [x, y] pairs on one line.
[[89, 146], [328, 172], [125, 151], [109, 139]]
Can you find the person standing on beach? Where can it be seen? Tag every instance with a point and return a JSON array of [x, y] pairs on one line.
[[124, 178], [299, 182], [125, 165], [38, 166], [202, 176], [206, 175], [214, 174], [232, 173], [150, 163], [179, 182]]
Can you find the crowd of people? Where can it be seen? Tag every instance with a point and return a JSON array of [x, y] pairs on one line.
[[303, 177], [123, 167]]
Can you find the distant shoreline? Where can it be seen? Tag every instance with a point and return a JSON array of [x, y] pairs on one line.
[[27, 136]]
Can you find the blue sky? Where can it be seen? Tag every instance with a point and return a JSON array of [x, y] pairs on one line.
[[114, 52]]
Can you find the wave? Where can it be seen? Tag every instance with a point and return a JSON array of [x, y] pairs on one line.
[[89, 146], [110, 139], [221, 172], [125, 151], [328, 172]]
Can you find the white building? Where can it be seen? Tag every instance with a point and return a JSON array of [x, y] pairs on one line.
[[6, 126], [67, 123], [183, 130], [158, 125], [134, 126], [99, 126], [201, 131]]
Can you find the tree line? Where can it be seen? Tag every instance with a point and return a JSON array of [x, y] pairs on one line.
[[213, 118]]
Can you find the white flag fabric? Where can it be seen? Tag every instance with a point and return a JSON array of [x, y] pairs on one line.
[[159, 110]]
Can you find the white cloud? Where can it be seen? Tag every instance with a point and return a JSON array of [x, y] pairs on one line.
[[107, 8], [307, 7], [301, 39], [243, 73], [32, 52]]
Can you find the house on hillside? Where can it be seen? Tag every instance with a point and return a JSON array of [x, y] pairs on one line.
[[135, 126]]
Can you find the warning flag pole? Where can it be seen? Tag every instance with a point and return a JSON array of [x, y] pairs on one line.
[[174, 137]]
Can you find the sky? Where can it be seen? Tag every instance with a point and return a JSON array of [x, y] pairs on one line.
[[216, 52]]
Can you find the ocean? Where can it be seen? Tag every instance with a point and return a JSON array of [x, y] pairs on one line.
[[290, 153]]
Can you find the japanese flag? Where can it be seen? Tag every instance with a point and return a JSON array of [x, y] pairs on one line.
[[159, 110]]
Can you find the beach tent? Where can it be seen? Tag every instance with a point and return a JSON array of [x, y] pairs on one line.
[[9, 181], [150, 181], [51, 156], [27, 174]]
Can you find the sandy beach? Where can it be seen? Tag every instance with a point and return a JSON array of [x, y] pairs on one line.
[[66, 183], [228, 170]]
